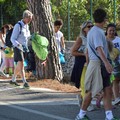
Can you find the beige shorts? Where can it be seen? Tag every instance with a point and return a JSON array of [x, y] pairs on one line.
[[93, 78]]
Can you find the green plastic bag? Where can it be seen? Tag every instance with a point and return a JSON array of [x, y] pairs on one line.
[[39, 45]]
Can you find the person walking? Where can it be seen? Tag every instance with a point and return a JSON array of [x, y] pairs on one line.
[[19, 39], [79, 52], [94, 79], [2, 47], [111, 36]]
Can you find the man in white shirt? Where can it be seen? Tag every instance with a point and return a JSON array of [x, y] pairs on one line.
[[19, 40]]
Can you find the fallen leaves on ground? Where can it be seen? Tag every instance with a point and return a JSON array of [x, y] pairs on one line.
[[53, 84]]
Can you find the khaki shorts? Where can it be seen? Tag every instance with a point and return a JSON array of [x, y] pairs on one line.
[[93, 78]]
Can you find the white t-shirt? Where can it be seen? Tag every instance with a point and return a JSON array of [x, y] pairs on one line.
[[58, 37], [96, 38], [116, 43]]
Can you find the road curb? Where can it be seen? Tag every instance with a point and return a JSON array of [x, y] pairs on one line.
[[5, 80]]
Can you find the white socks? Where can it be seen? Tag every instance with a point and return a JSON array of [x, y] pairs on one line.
[[109, 114], [13, 78], [24, 80], [82, 113]]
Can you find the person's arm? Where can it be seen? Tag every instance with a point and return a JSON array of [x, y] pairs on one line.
[[1, 37], [15, 34], [87, 58], [63, 43], [76, 46], [108, 66]]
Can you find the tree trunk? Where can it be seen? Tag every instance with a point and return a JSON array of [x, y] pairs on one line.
[[42, 23]]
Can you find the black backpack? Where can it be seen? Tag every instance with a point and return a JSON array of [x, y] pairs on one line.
[[8, 36]]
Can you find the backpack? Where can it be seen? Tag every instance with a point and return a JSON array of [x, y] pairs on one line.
[[8, 36]]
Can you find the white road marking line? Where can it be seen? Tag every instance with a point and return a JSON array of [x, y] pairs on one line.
[[6, 88], [47, 102], [42, 89], [33, 111]]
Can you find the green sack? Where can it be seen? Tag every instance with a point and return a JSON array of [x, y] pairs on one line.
[[39, 45]]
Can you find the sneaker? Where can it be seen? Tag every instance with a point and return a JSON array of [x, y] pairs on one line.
[[112, 119], [117, 101], [85, 118], [26, 85], [91, 108], [14, 83], [3, 74]]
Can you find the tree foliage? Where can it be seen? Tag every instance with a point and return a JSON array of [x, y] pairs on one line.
[[11, 10], [80, 11]]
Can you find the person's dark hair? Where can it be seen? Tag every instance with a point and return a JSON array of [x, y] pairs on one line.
[[111, 25], [3, 31], [99, 15], [58, 22]]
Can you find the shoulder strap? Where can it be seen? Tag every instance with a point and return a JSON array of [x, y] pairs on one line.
[[108, 56], [94, 51], [20, 27]]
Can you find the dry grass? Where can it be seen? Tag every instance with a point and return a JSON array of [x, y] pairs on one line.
[[54, 85], [47, 83]]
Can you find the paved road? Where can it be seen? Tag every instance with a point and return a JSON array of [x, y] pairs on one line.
[[22, 104]]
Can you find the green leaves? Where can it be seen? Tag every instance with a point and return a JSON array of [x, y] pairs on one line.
[[12, 10], [80, 11], [2, 1]]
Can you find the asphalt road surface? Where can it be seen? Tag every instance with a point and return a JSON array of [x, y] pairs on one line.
[[41, 104]]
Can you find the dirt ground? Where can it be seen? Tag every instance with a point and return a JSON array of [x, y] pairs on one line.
[[47, 83], [53, 84]]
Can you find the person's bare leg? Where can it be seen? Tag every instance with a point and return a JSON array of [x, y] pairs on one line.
[[12, 70], [17, 70], [23, 73], [86, 101], [107, 98], [116, 88], [7, 70], [2, 67]]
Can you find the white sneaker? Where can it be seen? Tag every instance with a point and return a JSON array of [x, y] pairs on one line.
[[79, 100], [91, 108], [3, 74], [117, 101]]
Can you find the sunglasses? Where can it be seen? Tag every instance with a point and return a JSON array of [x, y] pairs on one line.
[[90, 26]]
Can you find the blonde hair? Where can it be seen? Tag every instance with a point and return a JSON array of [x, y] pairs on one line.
[[82, 33], [110, 46], [27, 14]]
